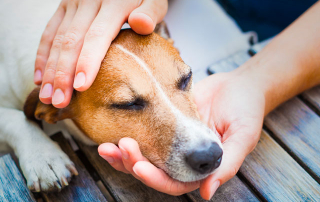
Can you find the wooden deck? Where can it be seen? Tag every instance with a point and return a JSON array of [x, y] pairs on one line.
[[285, 166]]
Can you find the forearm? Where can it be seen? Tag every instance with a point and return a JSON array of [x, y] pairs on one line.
[[290, 64]]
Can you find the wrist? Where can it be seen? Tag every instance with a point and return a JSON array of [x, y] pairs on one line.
[[256, 76]]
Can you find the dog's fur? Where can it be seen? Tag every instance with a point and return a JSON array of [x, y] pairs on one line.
[[137, 69]]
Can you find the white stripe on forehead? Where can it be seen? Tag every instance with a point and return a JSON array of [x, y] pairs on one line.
[[145, 67], [187, 127]]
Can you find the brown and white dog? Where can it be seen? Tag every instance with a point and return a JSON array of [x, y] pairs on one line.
[[143, 90]]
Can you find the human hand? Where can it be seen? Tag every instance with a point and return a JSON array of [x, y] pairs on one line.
[[77, 38], [127, 158], [228, 103], [234, 105]]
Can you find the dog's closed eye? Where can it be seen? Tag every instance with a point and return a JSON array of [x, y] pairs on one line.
[[184, 81], [137, 104]]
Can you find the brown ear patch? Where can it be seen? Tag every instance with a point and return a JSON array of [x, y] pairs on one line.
[[31, 103], [36, 110], [50, 114], [162, 30]]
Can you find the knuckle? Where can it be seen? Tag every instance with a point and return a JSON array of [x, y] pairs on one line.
[[90, 1], [83, 61], [70, 40], [169, 186], [40, 61], [72, 2], [49, 73], [51, 66], [96, 31], [62, 77], [57, 41], [64, 3]]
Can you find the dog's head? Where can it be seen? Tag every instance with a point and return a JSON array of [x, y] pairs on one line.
[[144, 91]]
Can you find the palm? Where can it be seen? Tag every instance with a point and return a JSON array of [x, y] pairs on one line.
[[228, 104]]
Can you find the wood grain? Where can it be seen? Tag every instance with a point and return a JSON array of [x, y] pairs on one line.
[[276, 176], [313, 96], [81, 187], [233, 190], [12, 184], [124, 187], [297, 128], [230, 63]]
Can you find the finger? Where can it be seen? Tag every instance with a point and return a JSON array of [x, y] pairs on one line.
[[235, 149], [46, 42], [112, 154], [50, 70], [130, 153], [103, 30], [159, 180], [70, 50], [143, 19]]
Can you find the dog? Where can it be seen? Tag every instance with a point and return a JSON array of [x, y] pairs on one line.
[[143, 90]]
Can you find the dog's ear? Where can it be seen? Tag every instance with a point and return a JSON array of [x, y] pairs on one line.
[[162, 30], [34, 109]]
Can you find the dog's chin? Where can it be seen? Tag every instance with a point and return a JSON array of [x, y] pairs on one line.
[[190, 178], [188, 175]]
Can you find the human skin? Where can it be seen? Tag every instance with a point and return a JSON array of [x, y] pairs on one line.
[[77, 38], [236, 103]]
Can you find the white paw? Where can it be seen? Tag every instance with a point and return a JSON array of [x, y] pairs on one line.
[[46, 168]]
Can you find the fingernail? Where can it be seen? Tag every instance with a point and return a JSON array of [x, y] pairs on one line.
[[79, 80], [37, 76], [140, 178], [214, 188], [135, 171], [137, 174], [46, 91], [58, 96], [107, 158], [124, 152]]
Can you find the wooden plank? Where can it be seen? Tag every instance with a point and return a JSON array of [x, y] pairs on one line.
[[313, 96], [233, 190], [235, 60], [123, 187], [104, 191], [297, 128], [277, 176], [12, 184], [3, 153], [230, 63], [81, 187]]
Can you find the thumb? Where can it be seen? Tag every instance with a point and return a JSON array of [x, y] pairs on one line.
[[144, 18], [235, 150]]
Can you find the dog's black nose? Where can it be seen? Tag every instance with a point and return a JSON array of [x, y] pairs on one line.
[[205, 158]]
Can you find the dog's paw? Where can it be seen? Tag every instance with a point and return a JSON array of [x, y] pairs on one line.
[[47, 168]]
